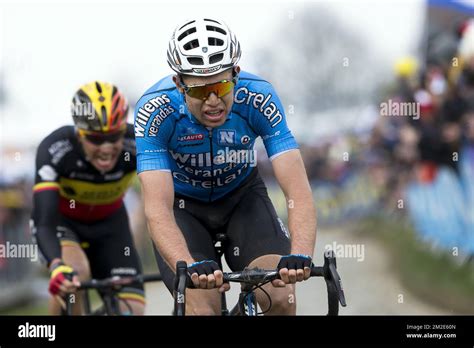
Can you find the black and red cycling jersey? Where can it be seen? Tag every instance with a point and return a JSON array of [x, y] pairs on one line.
[[68, 185]]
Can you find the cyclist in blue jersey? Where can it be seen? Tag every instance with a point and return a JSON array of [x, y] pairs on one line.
[[195, 133]]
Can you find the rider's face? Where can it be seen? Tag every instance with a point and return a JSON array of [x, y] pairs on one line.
[[104, 156], [213, 111]]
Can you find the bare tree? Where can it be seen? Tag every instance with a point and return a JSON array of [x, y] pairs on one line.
[[319, 63]]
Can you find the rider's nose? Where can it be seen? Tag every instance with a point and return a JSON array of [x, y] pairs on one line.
[[213, 99]]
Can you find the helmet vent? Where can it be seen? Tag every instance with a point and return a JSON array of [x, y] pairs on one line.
[[115, 104], [195, 61], [213, 41], [114, 91], [104, 115], [176, 57], [114, 122], [186, 24], [211, 20], [99, 88], [191, 44], [186, 33], [213, 28], [216, 58], [82, 98]]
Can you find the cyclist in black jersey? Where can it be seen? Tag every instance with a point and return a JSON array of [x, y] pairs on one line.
[[79, 220]]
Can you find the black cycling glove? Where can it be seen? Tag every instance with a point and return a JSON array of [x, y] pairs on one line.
[[295, 261], [203, 267]]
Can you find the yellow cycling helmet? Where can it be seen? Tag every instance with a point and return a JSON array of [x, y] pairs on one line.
[[99, 107]]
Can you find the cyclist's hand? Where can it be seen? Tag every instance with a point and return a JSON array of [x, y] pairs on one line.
[[293, 268], [64, 280], [207, 275]]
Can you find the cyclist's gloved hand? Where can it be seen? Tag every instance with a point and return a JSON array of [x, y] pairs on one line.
[[294, 261], [205, 267], [63, 279], [294, 268], [207, 274]]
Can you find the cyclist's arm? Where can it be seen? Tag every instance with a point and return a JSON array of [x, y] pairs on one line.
[[289, 170], [46, 205], [154, 172], [291, 175], [158, 197]]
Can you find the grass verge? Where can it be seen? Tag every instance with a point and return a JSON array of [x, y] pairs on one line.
[[437, 276]]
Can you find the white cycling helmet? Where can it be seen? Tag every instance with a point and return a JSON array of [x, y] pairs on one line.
[[203, 47]]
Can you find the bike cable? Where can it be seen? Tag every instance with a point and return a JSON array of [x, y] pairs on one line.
[[266, 293], [126, 304]]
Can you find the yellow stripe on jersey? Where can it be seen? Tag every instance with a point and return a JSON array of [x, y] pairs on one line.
[[94, 193], [46, 185], [131, 296], [71, 243]]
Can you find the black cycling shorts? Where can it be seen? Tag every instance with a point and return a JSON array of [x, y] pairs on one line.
[[109, 246], [246, 216]]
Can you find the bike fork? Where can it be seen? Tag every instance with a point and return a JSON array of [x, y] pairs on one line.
[[248, 302]]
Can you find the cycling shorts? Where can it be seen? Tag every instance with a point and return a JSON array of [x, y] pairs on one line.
[[246, 216], [109, 247]]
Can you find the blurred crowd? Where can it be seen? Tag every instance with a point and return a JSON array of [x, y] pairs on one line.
[[16, 182], [404, 148], [15, 205], [415, 146]]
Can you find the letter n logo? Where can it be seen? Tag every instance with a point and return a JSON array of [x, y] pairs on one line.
[[226, 137]]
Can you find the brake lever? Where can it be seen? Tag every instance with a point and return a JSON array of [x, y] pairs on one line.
[[330, 261], [336, 279], [180, 288]]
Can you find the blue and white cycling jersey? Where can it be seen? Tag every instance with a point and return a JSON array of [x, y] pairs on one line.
[[207, 163]]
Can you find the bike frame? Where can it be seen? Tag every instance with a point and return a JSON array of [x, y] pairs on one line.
[[247, 303]]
